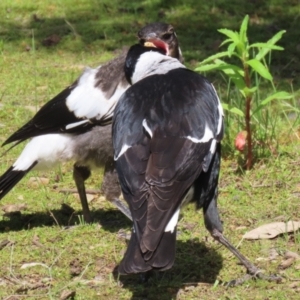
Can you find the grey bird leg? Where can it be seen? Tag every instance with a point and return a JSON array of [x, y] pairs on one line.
[[213, 224], [80, 174], [112, 190]]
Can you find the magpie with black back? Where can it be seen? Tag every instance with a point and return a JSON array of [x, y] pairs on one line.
[[167, 132], [76, 124]]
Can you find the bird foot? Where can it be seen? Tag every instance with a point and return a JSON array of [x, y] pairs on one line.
[[258, 275], [253, 271]]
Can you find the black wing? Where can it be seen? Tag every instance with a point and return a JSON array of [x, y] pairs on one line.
[[88, 102]]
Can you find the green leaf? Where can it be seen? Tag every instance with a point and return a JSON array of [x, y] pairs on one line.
[[207, 67], [233, 110], [265, 45], [272, 41], [281, 95], [233, 35], [213, 57], [229, 68], [243, 30], [235, 73], [225, 42], [258, 67], [249, 92], [231, 49]]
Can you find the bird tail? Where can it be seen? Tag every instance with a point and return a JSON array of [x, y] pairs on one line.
[[10, 178], [161, 259]]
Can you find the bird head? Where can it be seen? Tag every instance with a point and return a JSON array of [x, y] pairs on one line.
[[161, 36], [133, 56]]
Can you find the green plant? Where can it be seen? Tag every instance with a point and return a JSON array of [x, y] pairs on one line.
[[246, 75]]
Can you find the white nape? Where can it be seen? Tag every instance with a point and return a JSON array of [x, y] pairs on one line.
[[153, 62]]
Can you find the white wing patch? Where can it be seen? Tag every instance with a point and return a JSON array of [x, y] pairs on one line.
[[48, 150], [123, 150], [88, 101], [70, 126], [221, 112], [173, 222], [212, 148], [147, 128], [208, 135]]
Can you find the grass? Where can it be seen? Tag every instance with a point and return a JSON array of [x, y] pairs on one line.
[[83, 258]]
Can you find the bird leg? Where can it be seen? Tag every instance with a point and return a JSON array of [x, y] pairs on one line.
[[112, 190], [80, 174], [253, 271]]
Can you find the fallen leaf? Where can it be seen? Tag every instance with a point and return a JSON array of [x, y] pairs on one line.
[[28, 286], [75, 267], [241, 227], [287, 263], [36, 241], [280, 218], [269, 231], [294, 285], [273, 254], [37, 181], [13, 208], [89, 197], [67, 294], [124, 234], [4, 243], [290, 254], [33, 264]]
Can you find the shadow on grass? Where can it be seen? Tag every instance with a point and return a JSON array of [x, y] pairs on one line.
[[111, 220], [194, 264]]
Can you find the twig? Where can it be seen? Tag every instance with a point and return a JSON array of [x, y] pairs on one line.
[[75, 191], [52, 215], [72, 28]]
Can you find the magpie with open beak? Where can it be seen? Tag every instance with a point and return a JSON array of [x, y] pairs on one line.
[[167, 132], [76, 125]]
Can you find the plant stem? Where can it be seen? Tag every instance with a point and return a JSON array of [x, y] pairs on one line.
[[249, 155]]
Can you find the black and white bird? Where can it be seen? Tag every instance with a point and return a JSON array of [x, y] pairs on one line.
[[76, 124], [167, 129]]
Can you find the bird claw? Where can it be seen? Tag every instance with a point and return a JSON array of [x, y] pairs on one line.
[[257, 275]]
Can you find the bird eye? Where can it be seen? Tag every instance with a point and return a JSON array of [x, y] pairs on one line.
[[167, 36]]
